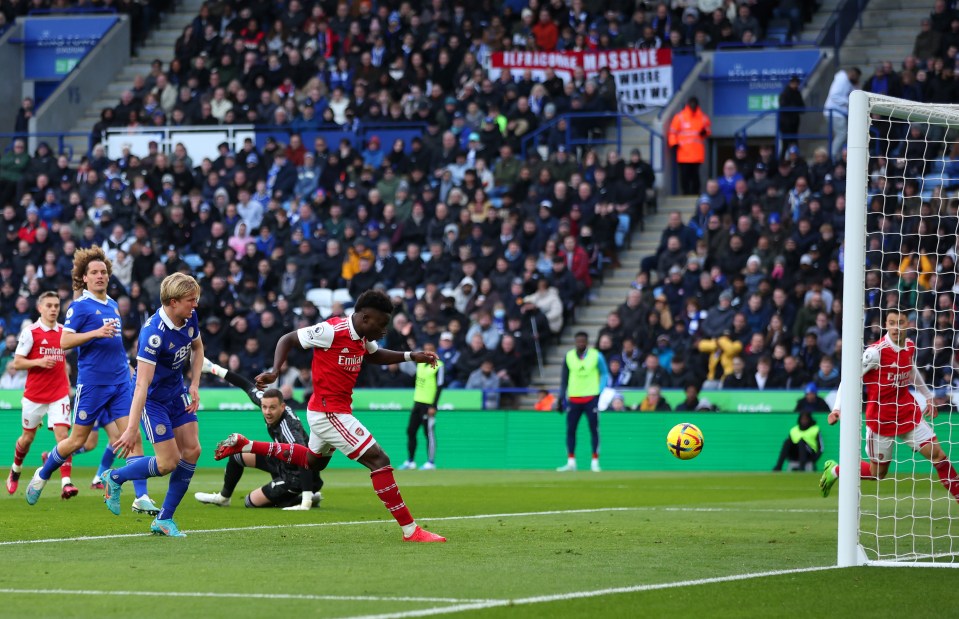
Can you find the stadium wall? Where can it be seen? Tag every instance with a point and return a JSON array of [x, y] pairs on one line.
[[11, 58], [85, 84], [746, 442]]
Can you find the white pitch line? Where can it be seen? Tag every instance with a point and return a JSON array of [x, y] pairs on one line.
[[541, 599], [558, 512], [253, 596]]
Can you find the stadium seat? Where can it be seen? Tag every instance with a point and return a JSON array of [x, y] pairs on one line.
[[320, 297], [342, 295]]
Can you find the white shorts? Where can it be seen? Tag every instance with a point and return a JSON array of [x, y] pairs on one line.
[[58, 413], [330, 431], [880, 448]]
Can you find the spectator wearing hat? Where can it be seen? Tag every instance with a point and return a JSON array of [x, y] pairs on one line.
[[810, 402]]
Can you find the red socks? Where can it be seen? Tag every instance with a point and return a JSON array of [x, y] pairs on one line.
[[291, 454], [385, 486], [66, 468], [865, 470], [948, 477], [19, 454]]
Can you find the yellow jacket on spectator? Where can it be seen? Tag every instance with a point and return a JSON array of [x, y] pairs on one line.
[[351, 264], [925, 269], [722, 351]]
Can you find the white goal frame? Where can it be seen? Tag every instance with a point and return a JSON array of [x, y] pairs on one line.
[[861, 105]]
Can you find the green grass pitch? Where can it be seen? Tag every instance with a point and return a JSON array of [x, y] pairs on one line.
[[521, 544]]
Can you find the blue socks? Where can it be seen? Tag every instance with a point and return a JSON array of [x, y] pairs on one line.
[[108, 457], [179, 483], [138, 468], [54, 461], [139, 485]]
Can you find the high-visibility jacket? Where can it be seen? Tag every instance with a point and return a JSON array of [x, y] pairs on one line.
[[688, 132]]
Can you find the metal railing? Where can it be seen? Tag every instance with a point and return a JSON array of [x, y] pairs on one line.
[[742, 134], [62, 148], [591, 139], [840, 24]]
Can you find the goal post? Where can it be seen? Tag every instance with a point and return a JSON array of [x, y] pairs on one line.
[[907, 518], [854, 273]]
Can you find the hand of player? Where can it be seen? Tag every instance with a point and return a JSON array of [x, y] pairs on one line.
[[46, 362], [424, 357], [930, 411], [431, 411], [108, 330], [124, 445], [264, 379], [194, 399], [296, 508], [833, 417]]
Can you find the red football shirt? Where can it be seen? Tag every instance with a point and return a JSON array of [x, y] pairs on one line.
[[338, 352], [891, 409], [44, 385]]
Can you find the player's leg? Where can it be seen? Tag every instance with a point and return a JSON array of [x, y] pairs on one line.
[[92, 440], [67, 489], [120, 412], [592, 418], [277, 493], [187, 442], [156, 424], [412, 428], [59, 421], [20, 451], [85, 414], [573, 415], [346, 433], [231, 477], [924, 440]]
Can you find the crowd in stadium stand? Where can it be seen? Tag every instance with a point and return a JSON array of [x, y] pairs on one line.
[[477, 245]]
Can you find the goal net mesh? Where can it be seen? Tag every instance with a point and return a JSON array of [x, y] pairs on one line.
[[911, 223]]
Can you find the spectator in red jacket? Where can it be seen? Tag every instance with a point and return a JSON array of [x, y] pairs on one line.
[[545, 32], [577, 260]]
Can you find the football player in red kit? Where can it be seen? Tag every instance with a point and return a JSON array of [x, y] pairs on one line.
[[339, 347], [888, 370]]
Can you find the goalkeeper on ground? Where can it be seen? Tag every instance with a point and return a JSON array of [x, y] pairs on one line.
[[292, 487], [888, 371]]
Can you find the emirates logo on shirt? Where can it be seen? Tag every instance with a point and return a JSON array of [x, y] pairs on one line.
[[350, 363]]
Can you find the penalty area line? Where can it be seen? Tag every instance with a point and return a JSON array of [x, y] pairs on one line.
[[347, 523], [558, 597], [250, 596]]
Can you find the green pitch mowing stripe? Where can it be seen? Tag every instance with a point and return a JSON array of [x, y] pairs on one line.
[[514, 535]]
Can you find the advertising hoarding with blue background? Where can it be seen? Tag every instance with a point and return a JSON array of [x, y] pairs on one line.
[[54, 45], [750, 81]]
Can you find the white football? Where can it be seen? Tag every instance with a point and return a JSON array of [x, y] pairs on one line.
[[870, 358]]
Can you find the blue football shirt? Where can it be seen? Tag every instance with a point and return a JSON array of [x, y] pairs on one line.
[[100, 361], [168, 348]]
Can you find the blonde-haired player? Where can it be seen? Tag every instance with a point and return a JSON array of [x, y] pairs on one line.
[[167, 340]]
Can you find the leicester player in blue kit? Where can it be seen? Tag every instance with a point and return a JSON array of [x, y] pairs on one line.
[[168, 339], [104, 390]]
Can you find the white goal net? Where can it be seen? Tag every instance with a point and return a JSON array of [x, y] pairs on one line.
[[899, 275]]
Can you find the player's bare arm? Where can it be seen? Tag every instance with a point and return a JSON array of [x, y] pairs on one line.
[[383, 356], [124, 445], [22, 363], [283, 348]]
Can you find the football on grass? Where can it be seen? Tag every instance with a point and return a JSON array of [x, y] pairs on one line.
[[685, 441]]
